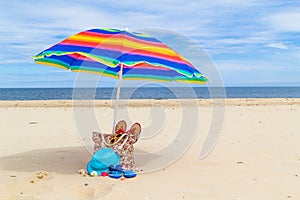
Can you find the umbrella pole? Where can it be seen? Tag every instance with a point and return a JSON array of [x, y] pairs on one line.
[[118, 96]]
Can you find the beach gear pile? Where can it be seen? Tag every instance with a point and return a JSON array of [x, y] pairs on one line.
[[114, 153]]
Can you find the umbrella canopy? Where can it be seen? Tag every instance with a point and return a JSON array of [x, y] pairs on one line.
[[120, 54]]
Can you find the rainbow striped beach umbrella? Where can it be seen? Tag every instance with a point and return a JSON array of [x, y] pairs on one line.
[[120, 54]]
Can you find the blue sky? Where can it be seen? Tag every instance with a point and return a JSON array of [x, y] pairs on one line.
[[252, 43]]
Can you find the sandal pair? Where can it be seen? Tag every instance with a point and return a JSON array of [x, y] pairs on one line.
[[121, 128], [117, 172]]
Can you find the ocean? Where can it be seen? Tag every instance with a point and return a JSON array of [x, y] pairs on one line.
[[147, 93]]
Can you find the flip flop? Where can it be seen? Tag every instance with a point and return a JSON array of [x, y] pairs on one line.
[[129, 173], [115, 172], [120, 127], [135, 129]]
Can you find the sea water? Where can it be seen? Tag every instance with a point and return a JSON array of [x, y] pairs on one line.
[[147, 93]]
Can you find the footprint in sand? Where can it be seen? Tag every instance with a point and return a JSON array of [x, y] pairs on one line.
[[21, 188], [37, 187], [17, 197], [84, 192], [116, 192], [39, 176]]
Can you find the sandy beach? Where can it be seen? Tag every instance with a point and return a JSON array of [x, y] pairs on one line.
[[256, 157]]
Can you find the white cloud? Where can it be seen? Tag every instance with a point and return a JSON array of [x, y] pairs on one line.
[[285, 21], [278, 45], [244, 66]]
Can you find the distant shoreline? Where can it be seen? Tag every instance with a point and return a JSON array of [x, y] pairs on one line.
[[152, 102], [155, 93]]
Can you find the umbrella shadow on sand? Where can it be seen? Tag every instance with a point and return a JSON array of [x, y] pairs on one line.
[[67, 160], [63, 161]]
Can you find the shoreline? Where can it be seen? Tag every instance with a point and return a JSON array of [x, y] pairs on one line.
[[151, 102]]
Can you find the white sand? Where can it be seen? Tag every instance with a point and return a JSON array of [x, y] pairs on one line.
[[257, 156]]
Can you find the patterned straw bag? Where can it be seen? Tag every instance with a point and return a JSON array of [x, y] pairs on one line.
[[121, 142]]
